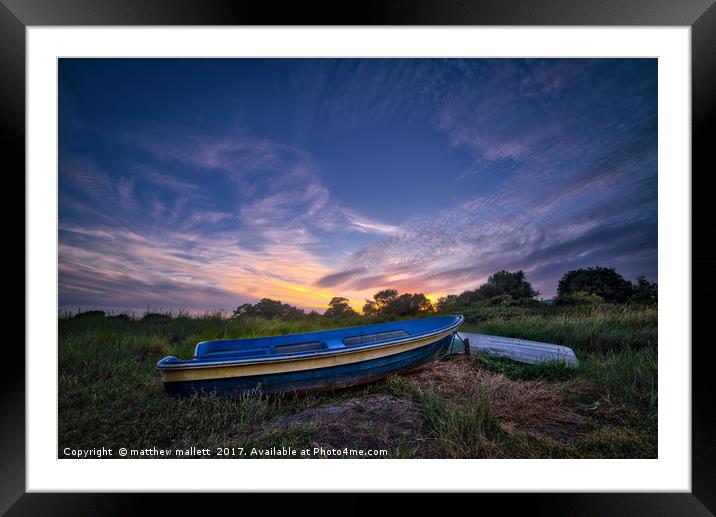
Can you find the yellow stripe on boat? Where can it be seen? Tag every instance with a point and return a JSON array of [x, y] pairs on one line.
[[295, 364]]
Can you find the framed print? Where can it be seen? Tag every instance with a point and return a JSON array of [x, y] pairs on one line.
[[430, 237]]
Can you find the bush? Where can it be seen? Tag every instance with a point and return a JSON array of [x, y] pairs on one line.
[[156, 317], [579, 298], [90, 314], [479, 313], [503, 300], [644, 291], [119, 317]]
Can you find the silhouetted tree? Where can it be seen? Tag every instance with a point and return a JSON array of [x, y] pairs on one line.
[[644, 291], [465, 298], [507, 283], [380, 301], [245, 309], [389, 302], [409, 305], [447, 303], [501, 288], [602, 281], [269, 309], [339, 307]]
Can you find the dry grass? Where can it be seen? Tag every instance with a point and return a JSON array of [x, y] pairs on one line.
[[532, 406]]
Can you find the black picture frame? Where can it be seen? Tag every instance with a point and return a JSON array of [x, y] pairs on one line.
[[700, 15]]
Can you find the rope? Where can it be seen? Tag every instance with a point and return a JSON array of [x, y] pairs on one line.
[[467, 346], [452, 342]]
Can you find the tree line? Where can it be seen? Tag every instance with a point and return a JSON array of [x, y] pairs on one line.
[[592, 285]]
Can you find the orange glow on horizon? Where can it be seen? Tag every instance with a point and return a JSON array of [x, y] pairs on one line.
[[309, 298], [304, 296], [433, 298]]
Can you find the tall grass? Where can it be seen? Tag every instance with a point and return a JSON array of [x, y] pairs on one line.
[[625, 376], [180, 334], [616, 346], [111, 395], [597, 328], [465, 431], [547, 371]]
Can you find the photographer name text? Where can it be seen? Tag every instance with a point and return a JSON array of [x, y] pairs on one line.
[[222, 452]]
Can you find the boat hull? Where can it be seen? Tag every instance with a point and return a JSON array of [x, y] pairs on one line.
[[223, 382]]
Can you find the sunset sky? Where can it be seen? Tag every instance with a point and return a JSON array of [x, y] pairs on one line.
[[204, 184]]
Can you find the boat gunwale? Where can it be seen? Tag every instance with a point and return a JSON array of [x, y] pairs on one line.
[[327, 353]]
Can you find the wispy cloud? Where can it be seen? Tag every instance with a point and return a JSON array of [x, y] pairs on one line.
[[162, 251], [564, 184], [555, 169]]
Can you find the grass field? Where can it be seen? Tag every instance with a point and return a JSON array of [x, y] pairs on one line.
[[111, 396]]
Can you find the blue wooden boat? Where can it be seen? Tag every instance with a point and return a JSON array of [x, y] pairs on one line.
[[311, 361]]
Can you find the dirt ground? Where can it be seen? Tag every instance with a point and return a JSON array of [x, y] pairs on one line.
[[382, 420]]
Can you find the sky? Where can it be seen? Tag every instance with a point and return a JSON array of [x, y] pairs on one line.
[[202, 184]]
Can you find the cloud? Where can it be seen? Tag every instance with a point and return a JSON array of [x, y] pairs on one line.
[[364, 225], [339, 278], [561, 173], [159, 234], [458, 248]]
